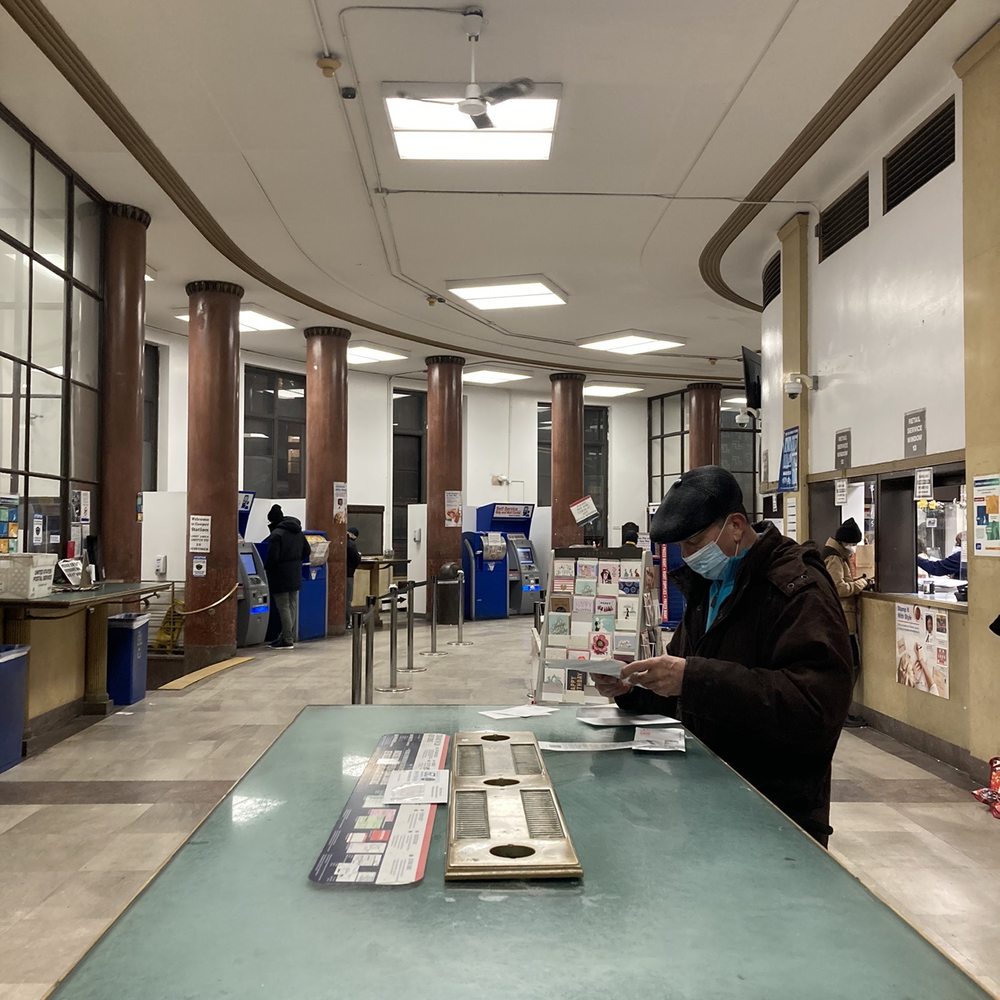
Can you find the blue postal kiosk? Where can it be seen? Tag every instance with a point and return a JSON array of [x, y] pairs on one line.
[[512, 521]]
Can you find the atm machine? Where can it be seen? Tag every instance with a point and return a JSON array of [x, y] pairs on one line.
[[252, 597], [513, 522], [484, 560]]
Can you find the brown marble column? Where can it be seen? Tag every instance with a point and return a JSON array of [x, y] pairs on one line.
[[121, 401], [326, 455], [567, 455], [444, 459], [213, 465], [705, 442]]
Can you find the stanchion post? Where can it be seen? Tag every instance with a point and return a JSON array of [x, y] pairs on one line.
[[369, 649], [357, 617], [410, 668], [432, 593], [458, 641], [394, 685]]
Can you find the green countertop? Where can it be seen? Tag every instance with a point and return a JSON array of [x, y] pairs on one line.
[[695, 888]]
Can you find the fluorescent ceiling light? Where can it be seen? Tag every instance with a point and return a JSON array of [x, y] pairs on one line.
[[252, 320], [486, 376], [150, 274], [254, 434], [291, 394], [524, 292], [629, 342], [610, 391], [427, 124], [738, 400], [400, 395], [368, 354]]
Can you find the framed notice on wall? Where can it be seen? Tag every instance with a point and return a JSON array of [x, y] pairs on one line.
[[986, 515], [922, 648], [788, 476]]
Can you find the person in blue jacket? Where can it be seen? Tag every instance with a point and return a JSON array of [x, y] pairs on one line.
[[949, 566]]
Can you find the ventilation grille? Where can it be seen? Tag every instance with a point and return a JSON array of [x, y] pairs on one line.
[[541, 815], [470, 761], [926, 152], [844, 219], [770, 279], [472, 820], [526, 759]]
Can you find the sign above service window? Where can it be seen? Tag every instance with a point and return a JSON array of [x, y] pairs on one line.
[[915, 433], [842, 449]]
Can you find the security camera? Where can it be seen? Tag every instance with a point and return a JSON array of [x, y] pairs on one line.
[[743, 419], [793, 390], [795, 382]]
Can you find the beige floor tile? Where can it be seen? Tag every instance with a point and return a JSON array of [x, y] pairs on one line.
[[135, 852], [41, 852], [170, 817], [92, 895], [37, 949], [867, 817], [103, 818], [10, 816], [24, 991]]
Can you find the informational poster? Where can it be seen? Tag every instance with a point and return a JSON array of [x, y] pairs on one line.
[[583, 510], [986, 515], [915, 433], [923, 484], [245, 501], [453, 508], [922, 648], [340, 503], [9, 506], [765, 466], [512, 511], [200, 533], [840, 492], [37, 529], [788, 477], [80, 504], [842, 449], [792, 518], [138, 506], [199, 566]]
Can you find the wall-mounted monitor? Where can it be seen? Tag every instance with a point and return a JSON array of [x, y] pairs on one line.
[[751, 377]]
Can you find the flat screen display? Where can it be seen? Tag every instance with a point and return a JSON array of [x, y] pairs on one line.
[[524, 555], [248, 564]]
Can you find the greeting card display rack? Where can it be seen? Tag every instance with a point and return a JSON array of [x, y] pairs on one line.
[[599, 606]]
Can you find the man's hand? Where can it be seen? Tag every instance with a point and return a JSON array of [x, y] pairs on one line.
[[663, 675], [610, 687]]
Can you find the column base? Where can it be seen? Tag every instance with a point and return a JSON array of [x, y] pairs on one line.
[[197, 657], [97, 706]]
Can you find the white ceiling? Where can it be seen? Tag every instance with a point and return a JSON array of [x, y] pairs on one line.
[[693, 99]]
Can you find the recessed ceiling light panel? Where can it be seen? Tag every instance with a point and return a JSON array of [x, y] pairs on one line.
[[610, 391], [489, 376], [370, 354], [523, 292], [631, 342], [253, 319]]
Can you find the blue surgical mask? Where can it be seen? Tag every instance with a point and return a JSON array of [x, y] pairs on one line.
[[710, 561]]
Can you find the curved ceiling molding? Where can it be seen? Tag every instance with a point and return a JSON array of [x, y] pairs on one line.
[[48, 35], [901, 36]]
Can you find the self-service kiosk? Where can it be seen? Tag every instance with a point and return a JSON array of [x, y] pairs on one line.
[[513, 522], [252, 597], [313, 596], [484, 560]]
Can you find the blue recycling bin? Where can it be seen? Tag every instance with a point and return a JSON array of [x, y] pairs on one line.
[[13, 697], [128, 651]]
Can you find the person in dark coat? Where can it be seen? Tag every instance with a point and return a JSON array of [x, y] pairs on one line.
[[760, 667], [353, 562], [287, 550], [630, 534]]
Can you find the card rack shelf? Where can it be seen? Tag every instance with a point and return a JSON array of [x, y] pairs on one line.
[[570, 640]]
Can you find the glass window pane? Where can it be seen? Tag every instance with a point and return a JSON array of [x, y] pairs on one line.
[[50, 212], [45, 424], [87, 241], [79, 530], [258, 456], [259, 387], [83, 426], [84, 362], [291, 459], [672, 456], [44, 503], [671, 414], [687, 451], [13, 302], [290, 391], [655, 457], [15, 183], [656, 494], [13, 414], [48, 320]]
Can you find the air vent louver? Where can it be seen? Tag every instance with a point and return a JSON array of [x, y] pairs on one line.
[[921, 155], [844, 219], [770, 279]]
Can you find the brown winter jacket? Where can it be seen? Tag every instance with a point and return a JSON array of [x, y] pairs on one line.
[[838, 565], [767, 688]]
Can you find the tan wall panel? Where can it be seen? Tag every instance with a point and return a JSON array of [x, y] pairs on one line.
[[56, 664]]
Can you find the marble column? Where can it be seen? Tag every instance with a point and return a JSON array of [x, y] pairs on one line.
[[567, 455], [121, 402], [705, 441], [326, 455], [213, 466], [444, 462]]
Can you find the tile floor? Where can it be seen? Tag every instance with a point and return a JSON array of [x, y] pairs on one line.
[[86, 823]]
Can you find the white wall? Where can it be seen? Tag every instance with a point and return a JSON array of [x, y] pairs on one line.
[[771, 396], [628, 482], [171, 473]]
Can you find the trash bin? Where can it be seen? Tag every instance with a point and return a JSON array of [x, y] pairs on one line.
[[13, 697], [128, 650], [448, 594]]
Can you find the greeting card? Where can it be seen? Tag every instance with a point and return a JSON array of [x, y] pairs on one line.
[[625, 642], [631, 569], [628, 611], [558, 640], [629, 587], [604, 623], [561, 602], [600, 645], [564, 567], [583, 606], [555, 653], [608, 570], [587, 585], [563, 585], [558, 622], [605, 605], [587, 568], [581, 626]]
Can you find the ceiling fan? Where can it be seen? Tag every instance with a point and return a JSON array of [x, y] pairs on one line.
[[476, 104]]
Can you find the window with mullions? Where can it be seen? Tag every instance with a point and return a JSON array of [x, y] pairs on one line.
[[50, 328], [274, 433], [595, 465]]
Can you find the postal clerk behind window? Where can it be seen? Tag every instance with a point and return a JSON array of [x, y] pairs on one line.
[[760, 668]]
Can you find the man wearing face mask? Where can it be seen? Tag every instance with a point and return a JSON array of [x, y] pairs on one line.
[[760, 667]]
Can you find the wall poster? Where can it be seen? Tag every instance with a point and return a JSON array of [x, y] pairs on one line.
[[986, 515], [340, 503], [453, 508], [922, 648], [788, 475]]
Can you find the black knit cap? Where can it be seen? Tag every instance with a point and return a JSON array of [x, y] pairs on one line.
[[697, 499], [275, 514], [849, 533]]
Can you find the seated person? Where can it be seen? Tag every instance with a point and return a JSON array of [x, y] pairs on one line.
[[949, 566]]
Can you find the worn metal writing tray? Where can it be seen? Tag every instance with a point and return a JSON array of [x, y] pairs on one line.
[[504, 819]]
